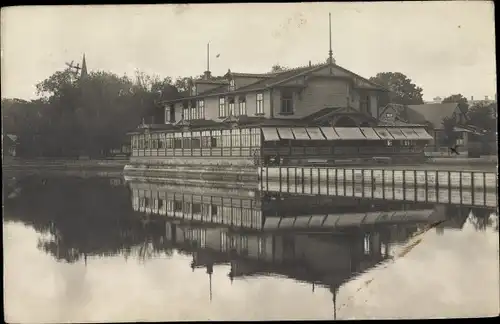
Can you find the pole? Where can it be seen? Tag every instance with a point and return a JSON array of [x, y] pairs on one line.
[[208, 56]]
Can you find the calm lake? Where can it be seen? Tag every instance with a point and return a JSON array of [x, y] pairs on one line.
[[105, 249]]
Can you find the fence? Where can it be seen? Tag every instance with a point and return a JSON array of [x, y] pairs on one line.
[[457, 187]]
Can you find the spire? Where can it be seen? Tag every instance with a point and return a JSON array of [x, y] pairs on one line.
[[84, 67], [330, 52]]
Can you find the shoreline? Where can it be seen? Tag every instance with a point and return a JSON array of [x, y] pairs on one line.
[[9, 164]]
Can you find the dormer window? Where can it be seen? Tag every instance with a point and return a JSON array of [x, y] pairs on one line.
[[232, 85]]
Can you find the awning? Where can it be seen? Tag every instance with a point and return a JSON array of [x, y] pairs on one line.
[[285, 133], [383, 133], [461, 129], [315, 133], [330, 133], [370, 134], [409, 133], [422, 134], [270, 134], [300, 134], [397, 133], [350, 133]]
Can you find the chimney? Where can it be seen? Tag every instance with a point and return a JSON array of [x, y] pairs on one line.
[[310, 63], [471, 98], [486, 98], [207, 75]]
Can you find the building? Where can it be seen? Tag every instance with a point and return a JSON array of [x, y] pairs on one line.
[[432, 116], [321, 113], [9, 144], [486, 100], [326, 93]]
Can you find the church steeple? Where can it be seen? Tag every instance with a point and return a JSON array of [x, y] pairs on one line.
[[84, 67]]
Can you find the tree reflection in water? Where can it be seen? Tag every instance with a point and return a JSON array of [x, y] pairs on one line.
[[84, 217]]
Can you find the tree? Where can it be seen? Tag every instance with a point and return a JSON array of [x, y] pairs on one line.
[[461, 100], [278, 68], [402, 89], [483, 117]]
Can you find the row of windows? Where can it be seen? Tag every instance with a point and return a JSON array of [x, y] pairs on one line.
[[229, 138], [228, 106], [239, 216], [230, 109]]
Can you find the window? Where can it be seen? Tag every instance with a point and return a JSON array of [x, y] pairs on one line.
[[226, 138], [201, 109], [389, 143], [232, 85], [389, 115], [193, 113], [178, 142], [205, 139], [215, 140], [235, 138], [167, 115], [366, 245], [196, 140], [172, 114], [260, 104], [406, 143], [222, 107], [185, 110], [242, 106], [186, 140], [231, 107], [245, 138], [286, 102], [169, 141]]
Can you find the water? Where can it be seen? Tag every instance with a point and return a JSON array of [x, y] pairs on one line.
[[102, 249]]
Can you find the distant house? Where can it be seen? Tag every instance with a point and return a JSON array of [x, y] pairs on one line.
[[9, 144], [432, 115]]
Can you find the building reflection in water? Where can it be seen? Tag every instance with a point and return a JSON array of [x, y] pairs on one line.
[[323, 241]]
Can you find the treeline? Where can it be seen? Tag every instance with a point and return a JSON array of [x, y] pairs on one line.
[[85, 116], [91, 115]]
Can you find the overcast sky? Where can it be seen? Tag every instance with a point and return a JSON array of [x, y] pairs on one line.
[[444, 47]]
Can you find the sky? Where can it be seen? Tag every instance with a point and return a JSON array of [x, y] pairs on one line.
[[444, 47]]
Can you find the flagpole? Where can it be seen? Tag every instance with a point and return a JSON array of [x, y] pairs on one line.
[[208, 56]]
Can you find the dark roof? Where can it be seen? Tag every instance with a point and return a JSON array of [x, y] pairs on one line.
[[397, 123], [252, 75], [433, 113], [269, 80], [320, 113], [280, 77], [280, 122]]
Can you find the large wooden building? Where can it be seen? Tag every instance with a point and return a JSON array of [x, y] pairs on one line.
[[324, 93]]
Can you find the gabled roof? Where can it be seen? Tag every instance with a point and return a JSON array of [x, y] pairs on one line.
[[251, 75], [281, 77], [433, 113], [270, 80]]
